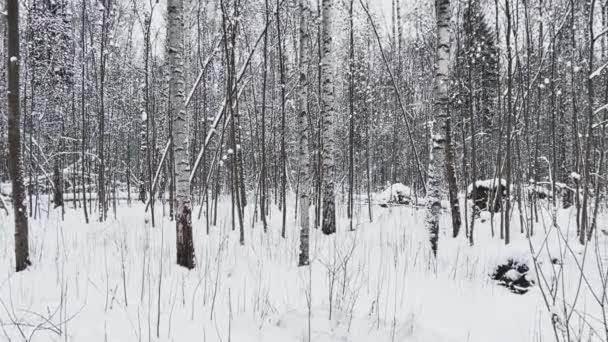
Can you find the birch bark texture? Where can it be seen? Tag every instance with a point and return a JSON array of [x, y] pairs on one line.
[[15, 161], [441, 98], [304, 158], [175, 54], [328, 108]]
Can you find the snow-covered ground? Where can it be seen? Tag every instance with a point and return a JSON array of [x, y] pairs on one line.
[[117, 281]]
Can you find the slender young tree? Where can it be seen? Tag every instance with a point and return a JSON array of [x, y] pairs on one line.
[[82, 111], [15, 161], [102, 112], [589, 141], [351, 115], [509, 123], [441, 99], [263, 199], [304, 51], [175, 58], [283, 151], [328, 108]]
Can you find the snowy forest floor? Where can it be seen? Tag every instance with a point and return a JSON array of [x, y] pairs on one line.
[[117, 281]]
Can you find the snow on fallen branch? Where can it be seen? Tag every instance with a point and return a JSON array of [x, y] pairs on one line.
[[604, 107], [222, 109], [202, 73], [212, 131], [598, 71]]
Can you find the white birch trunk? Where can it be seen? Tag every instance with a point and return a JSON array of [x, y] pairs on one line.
[[303, 133], [437, 156], [177, 91], [328, 107]]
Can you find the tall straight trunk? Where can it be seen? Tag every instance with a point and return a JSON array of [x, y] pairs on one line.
[[528, 174], [263, 176], [303, 132], [438, 141], [283, 151], [496, 197], [237, 122], [473, 137], [450, 175], [474, 209], [147, 114], [175, 57], [328, 116], [553, 114], [3, 76], [82, 111], [509, 123], [575, 133], [368, 159], [319, 138], [351, 117], [589, 142], [102, 66], [15, 161], [30, 163], [231, 89]]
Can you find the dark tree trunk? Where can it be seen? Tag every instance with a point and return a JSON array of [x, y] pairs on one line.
[[15, 163]]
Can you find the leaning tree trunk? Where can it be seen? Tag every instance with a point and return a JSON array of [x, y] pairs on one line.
[[437, 155], [183, 213], [303, 132], [15, 162], [328, 108]]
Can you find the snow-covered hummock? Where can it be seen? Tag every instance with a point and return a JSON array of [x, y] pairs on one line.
[[512, 275], [392, 193], [487, 183]]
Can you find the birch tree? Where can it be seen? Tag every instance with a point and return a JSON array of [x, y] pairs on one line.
[[441, 99], [303, 131], [175, 58], [328, 108]]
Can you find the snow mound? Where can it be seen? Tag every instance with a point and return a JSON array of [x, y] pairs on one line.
[[513, 275], [397, 193], [487, 184]]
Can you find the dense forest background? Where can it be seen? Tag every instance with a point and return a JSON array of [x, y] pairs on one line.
[[527, 96]]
